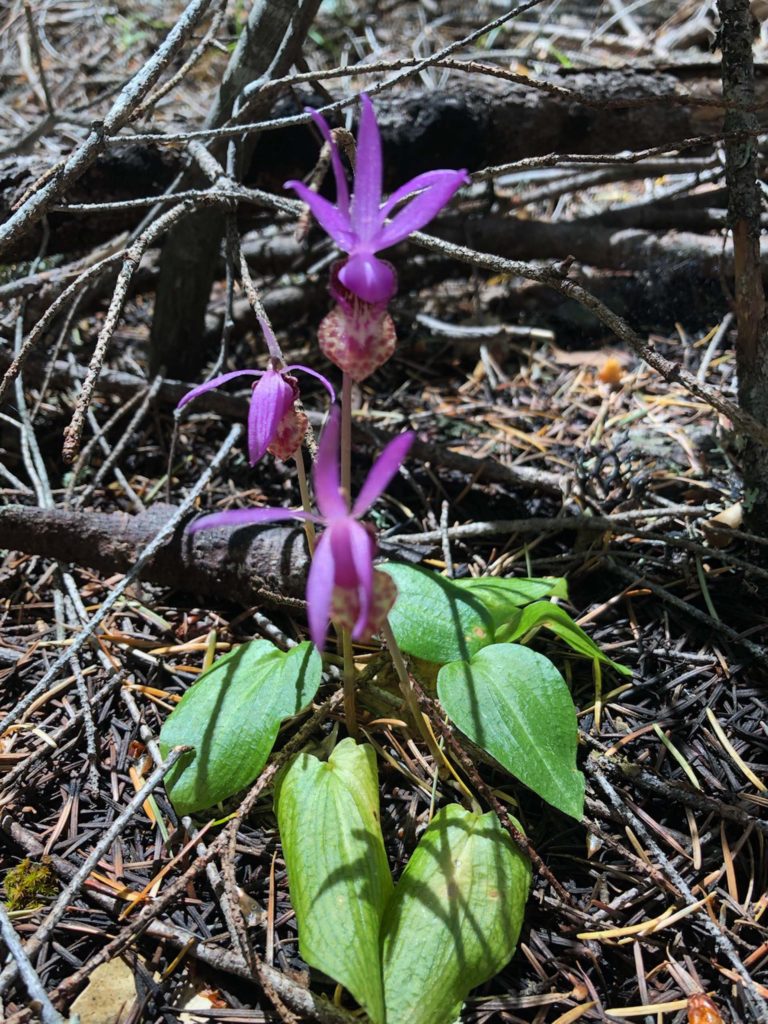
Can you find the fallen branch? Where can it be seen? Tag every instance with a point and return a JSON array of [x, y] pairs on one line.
[[58, 179], [240, 565], [481, 124]]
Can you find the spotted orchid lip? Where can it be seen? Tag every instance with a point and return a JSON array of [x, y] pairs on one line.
[[359, 225]]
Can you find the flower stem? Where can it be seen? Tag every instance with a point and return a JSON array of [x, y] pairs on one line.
[[346, 436], [350, 709], [306, 501], [408, 692]]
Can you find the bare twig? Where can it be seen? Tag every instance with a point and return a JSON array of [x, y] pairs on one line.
[[145, 107], [59, 906], [73, 433], [35, 44], [120, 112], [40, 1001], [83, 637]]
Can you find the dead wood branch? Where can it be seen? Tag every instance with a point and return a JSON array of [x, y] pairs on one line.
[[744, 207], [478, 125], [34, 207], [589, 242], [237, 565]]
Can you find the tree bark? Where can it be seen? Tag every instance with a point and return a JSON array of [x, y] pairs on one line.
[[267, 48], [744, 206], [245, 565]]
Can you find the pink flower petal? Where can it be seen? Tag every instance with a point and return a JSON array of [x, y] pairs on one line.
[[342, 191], [272, 397], [421, 209], [333, 221], [320, 583], [246, 517], [362, 550], [215, 382], [313, 373], [371, 279], [417, 184], [382, 471], [325, 475], [365, 216]]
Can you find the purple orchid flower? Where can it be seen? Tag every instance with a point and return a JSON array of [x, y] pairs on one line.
[[359, 227], [273, 422], [342, 584]]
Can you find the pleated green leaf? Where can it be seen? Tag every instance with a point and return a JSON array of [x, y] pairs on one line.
[[502, 598], [338, 876], [231, 717], [455, 917], [544, 615], [514, 704]]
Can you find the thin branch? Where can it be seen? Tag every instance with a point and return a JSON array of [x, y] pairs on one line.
[[145, 107], [74, 432], [60, 905], [30, 212], [83, 637], [40, 1001]]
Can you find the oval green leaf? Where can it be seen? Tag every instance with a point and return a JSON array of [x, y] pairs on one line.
[[544, 615], [514, 704], [231, 717], [338, 876], [455, 917], [435, 619], [503, 597]]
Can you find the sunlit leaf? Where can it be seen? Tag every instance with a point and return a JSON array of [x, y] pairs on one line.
[[231, 717], [339, 880], [503, 597], [544, 615], [435, 619], [512, 702], [455, 917]]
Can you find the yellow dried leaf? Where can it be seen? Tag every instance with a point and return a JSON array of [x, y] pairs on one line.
[[108, 996]]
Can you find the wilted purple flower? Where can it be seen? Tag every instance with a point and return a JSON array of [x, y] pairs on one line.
[[274, 424], [343, 585], [359, 226]]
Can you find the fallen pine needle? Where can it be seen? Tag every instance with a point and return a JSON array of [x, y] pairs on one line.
[[757, 783]]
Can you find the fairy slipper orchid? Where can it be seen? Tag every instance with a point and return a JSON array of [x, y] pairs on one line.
[[274, 423], [356, 336], [359, 225], [343, 585]]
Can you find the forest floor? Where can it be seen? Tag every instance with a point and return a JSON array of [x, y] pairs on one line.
[[534, 420]]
